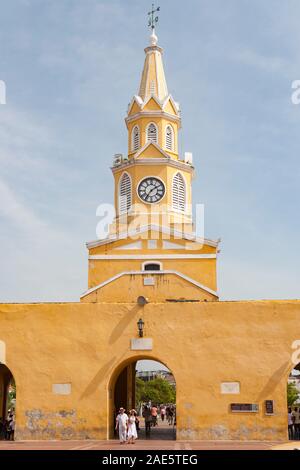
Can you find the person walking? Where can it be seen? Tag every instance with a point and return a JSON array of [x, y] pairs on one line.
[[154, 415], [121, 425], [148, 419], [296, 414], [162, 412], [132, 432], [290, 424]]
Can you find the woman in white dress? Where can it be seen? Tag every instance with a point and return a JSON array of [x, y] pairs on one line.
[[131, 433]]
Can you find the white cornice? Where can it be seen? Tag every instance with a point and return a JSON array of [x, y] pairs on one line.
[[153, 257], [180, 165], [155, 228], [153, 113], [157, 273]]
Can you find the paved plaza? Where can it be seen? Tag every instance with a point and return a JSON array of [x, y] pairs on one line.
[[148, 445]]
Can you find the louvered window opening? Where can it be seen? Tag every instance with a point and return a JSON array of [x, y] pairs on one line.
[[178, 200], [135, 138], [169, 138], [152, 133], [125, 194]]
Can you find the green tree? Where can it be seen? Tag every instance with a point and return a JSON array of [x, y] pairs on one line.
[[292, 394], [157, 390], [11, 396]]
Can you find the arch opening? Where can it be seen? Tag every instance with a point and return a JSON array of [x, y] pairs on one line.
[[293, 403], [7, 403], [147, 386]]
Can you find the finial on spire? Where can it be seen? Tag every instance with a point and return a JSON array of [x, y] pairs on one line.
[[151, 23]]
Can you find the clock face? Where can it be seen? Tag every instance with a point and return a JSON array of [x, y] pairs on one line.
[[151, 190]]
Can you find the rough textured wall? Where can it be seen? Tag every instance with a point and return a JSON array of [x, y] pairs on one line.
[[204, 344]]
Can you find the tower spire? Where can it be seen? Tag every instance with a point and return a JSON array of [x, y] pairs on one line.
[[153, 81]]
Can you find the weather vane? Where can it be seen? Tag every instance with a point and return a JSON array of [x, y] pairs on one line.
[[153, 19]]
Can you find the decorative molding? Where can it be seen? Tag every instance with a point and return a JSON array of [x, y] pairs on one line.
[[168, 161], [153, 114], [162, 104], [158, 273], [154, 257], [155, 228]]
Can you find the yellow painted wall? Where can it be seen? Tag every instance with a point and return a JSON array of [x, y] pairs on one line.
[[165, 172], [203, 344], [203, 271], [129, 287]]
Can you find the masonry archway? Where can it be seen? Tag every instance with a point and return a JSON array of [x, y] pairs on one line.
[[124, 388], [293, 403], [7, 393]]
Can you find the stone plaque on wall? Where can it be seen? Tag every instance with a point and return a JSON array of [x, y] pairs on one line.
[[230, 387], [244, 407], [141, 344], [149, 281], [61, 389]]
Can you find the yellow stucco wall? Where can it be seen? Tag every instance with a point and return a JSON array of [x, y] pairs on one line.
[[128, 287], [203, 344], [165, 172], [203, 271]]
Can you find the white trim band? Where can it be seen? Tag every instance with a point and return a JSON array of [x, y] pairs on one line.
[[155, 228], [150, 257], [145, 273]]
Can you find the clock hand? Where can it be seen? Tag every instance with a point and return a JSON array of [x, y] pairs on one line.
[[153, 192]]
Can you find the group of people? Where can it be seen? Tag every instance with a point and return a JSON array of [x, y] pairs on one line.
[[294, 423], [7, 427], [168, 412], [127, 425]]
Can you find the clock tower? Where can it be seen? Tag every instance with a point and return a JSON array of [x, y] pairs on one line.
[[151, 249], [152, 181]]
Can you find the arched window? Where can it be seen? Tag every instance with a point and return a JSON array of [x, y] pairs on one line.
[[169, 138], [135, 138], [178, 193], [125, 196], [152, 133], [152, 266]]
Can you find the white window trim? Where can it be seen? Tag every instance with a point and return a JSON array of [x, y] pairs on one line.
[[152, 262], [185, 193], [147, 128], [133, 148], [172, 149], [119, 193]]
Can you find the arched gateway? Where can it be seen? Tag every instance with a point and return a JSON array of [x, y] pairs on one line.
[[122, 389], [74, 362]]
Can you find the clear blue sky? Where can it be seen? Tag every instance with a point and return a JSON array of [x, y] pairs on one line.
[[71, 67]]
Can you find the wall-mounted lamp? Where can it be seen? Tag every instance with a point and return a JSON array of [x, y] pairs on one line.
[[140, 325], [141, 300]]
